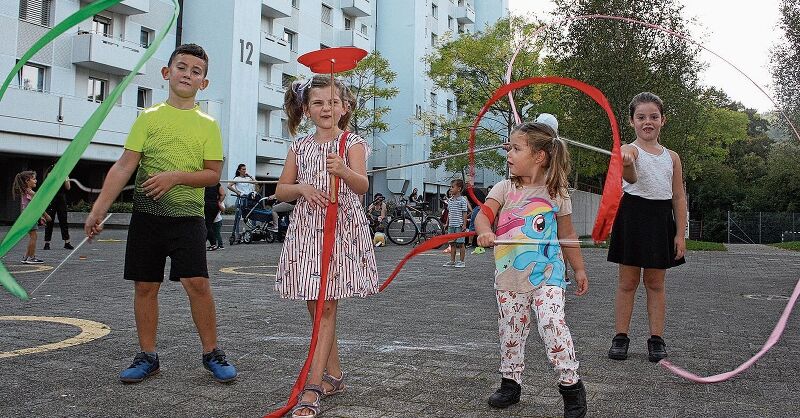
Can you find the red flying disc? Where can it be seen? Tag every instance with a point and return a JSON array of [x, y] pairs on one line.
[[343, 58]]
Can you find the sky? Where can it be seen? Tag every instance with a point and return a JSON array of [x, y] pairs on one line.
[[737, 30]]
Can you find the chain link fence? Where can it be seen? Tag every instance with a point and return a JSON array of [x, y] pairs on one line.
[[763, 227]]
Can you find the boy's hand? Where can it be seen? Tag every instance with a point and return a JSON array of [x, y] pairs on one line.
[[94, 224], [314, 196], [159, 184], [486, 239], [583, 282], [335, 165], [628, 157]]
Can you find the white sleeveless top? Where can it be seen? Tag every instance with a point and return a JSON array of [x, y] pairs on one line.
[[654, 176]]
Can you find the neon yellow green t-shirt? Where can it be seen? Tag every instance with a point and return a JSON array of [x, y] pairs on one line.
[[172, 139]]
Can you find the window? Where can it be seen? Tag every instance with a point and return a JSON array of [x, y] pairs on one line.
[[296, 4], [434, 38], [96, 91], [31, 77], [419, 111], [326, 14], [449, 106], [144, 98], [101, 25], [460, 3], [285, 129], [291, 39], [145, 37], [434, 10], [433, 129], [433, 101], [364, 29], [36, 11], [450, 22], [461, 28], [286, 80], [323, 46], [348, 23]]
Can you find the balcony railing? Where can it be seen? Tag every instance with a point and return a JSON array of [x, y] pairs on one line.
[[274, 50], [276, 8], [272, 147], [102, 53], [131, 7], [270, 96], [358, 8], [465, 14], [352, 37]]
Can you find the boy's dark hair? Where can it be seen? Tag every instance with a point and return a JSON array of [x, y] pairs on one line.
[[190, 49], [645, 97]]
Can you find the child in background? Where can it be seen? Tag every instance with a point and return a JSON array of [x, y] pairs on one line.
[[306, 178], [534, 206], [24, 183], [647, 237], [457, 218]]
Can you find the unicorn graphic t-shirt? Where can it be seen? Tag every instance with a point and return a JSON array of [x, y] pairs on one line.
[[528, 214]]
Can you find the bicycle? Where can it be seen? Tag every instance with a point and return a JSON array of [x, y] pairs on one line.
[[404, 228]]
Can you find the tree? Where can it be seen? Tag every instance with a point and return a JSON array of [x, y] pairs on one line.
[[370, 80], [473, 66], [623, 59], [786, 61]]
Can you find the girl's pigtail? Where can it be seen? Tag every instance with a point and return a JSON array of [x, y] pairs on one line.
[[293, 102], [21, 183], [559, 169]]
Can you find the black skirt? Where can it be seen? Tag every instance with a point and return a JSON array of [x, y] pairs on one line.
[[643, 234]]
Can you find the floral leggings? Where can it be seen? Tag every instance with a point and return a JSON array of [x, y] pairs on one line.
[[515, 321]]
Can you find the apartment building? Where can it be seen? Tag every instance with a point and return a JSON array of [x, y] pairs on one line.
[[253, 47]]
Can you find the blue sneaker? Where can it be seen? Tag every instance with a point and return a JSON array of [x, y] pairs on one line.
[[144, 365], [218, 365]]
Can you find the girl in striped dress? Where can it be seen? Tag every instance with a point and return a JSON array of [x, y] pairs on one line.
[[305, 178]]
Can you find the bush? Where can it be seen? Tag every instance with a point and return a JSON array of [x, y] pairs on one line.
[[790, 245], [79, 206], [121, 207]]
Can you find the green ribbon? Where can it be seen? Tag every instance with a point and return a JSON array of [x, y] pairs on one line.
[[30, 216]]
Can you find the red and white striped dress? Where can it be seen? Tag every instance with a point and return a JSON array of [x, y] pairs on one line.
[[352, 271]]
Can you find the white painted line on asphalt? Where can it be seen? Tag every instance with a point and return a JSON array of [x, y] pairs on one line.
[[90, 330], [235, 270]]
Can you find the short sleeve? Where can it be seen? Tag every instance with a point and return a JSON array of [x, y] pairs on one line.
[[564, 205], [213, 146], [138, 134], [500, 191], [353, 139]]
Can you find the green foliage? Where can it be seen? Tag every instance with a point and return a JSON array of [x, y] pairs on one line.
[[370, 80], [692, 245], [622, 59], [473, 66], [79, 206], [786, 61], [791, 245], [121, 207]]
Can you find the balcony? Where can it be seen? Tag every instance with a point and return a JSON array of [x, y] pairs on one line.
[[350, 37], [276, 8], [99, 52], [465, 14], [274, 50], [270, 96], [131, 7], [271, 148], [358, 8]]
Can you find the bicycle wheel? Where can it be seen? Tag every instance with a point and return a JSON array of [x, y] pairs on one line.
[[402, 231], [431, 228]]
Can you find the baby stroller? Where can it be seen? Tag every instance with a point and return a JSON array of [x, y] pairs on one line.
[[255, 219]]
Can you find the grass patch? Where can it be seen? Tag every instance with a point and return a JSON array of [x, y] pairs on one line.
[[704, 246], [791, 245]]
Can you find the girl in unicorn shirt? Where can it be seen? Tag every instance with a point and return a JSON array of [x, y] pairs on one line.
[[530, 278]]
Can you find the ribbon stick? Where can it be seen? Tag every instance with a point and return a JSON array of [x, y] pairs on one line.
[[78, 145]]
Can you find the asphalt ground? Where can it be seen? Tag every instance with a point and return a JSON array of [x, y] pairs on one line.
[[426, 347]]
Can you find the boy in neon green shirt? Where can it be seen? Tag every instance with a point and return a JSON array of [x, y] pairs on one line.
[[176, 151]]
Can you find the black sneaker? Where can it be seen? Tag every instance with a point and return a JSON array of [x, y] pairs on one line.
[[656, 349], [68, 246], [619, 347], [506, 395], [46, 246]]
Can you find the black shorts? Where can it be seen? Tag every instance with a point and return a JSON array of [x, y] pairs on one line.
[[151, 239]]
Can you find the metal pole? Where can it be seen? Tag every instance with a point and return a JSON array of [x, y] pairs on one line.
[[729, 227], [759, 227], [377, 170]]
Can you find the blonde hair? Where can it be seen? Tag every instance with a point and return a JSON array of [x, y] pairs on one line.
[[296, 98], [558, 161], [20, 186]]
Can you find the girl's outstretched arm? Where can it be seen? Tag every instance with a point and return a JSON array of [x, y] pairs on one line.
[[572, 253], [679, 205], [483, 228]]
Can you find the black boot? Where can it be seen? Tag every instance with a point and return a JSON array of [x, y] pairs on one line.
[[507, 395], [656, 349], [574, 400]]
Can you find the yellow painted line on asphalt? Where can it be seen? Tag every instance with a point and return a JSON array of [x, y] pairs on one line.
[[90, 330], [29, 269], [235, 270]]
